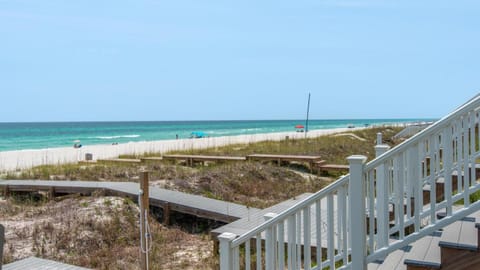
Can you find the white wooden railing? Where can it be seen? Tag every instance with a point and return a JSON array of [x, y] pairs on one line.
[[377, 208]]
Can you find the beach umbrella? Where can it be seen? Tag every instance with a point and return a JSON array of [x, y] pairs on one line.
[[299, 126], [76, 141]]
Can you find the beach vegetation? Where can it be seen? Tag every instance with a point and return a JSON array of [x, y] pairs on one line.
[[87, 231]]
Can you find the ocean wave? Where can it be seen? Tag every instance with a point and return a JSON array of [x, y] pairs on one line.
[[115, 137]]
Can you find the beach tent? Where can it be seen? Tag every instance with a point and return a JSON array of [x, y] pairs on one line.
[[197, 134]]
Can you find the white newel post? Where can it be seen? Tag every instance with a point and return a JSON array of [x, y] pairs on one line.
[[226, 256], [356, 192], [379, 139], [382, 198]]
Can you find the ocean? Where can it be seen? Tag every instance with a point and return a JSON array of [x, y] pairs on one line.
[[20, 136]]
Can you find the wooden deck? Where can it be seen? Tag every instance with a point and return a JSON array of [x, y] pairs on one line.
[[167, 199]]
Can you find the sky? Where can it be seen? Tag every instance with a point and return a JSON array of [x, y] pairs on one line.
[[91, 60]]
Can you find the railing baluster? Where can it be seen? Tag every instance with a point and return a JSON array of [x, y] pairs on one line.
[[269, 243], [330, 234], [281, 246], [473, 121], [458, 161], [400, 178], [466, 160], [371, 211], [432, 181], [236, 258], [307, 236], [410, 180], [258, 250], [298, 218], [344, 225], [417, 186], [338, 216], [247, 255], [318, 224], [292, 242], [382, 214], [448, 159]]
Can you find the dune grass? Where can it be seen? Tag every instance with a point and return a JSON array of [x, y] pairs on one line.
[[91, 241]]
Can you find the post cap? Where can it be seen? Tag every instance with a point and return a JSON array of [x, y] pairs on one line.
[[226, 236], [269, 216], [357, 159], [382, 147]]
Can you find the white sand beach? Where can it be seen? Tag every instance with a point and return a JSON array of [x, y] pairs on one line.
[[23, 159]]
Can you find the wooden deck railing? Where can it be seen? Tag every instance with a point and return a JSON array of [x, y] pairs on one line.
[[356, 226]]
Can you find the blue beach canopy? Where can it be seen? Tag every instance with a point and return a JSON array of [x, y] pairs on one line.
[[197, 134]]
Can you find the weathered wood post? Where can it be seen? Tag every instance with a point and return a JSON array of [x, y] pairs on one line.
[[226, 256], [2, 241], [143, 201], [356, 191], [382, 196]]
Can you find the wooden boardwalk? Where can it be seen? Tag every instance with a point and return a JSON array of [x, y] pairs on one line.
[[169, 200]]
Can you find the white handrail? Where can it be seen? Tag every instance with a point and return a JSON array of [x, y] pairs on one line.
[[434, 128], [352, 214]]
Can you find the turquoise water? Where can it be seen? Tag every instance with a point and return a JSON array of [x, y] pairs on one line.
[[18, 136]]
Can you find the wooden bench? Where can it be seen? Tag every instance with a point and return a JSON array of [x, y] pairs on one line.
[[191, 159]]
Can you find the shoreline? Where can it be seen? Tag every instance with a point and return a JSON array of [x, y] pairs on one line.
[[23, 159]]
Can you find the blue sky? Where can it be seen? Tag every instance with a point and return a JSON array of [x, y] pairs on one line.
[[207, 60]]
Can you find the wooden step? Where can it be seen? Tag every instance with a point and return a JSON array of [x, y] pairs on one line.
[[425, 253], [394, 260], [459, 246], [460, 235]]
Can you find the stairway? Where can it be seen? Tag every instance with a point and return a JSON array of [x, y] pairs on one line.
[[454, 247]]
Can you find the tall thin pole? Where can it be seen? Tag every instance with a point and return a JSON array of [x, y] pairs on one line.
[[308, 111], [143, 200]]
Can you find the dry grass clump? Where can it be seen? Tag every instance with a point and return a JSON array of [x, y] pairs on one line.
[[100, 233]]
